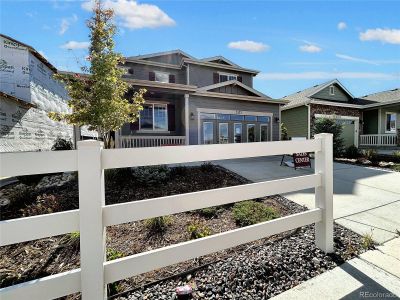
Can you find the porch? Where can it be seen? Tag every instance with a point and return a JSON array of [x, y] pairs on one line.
[[384, 139]]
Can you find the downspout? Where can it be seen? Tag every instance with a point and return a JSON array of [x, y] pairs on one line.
[[308, 120]]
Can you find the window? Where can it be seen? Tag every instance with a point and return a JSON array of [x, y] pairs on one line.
[[161, 77], [390, 122], [226, 77], [223, 117], [263, 119], [251, 133], [154, 117], [208, 133], [237, 117], [332, 90], [264, 132], [207, 116], [223, 133], [237, 128], [250, 118]]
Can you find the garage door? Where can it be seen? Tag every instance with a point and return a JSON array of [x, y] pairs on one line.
[[348, 131]]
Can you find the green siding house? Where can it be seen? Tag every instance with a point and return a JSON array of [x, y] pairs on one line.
[[369, 121]]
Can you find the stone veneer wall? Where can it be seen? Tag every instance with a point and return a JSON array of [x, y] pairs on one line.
[[334, 110]]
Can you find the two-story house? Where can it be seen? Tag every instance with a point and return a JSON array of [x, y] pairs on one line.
[[197, 101]]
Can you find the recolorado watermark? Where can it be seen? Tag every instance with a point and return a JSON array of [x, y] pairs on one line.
[[377, 295]]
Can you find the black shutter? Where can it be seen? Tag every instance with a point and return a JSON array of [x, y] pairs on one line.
[[171, 117], [152, 76], [216, 77], [171, 78], [240, 79], [130, 71], [134, 126]]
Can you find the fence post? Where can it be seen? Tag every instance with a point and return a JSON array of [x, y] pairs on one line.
[[324, 193], [92, 232]]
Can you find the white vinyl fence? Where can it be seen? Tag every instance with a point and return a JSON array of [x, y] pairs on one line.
[[378, 139], [90, 160]]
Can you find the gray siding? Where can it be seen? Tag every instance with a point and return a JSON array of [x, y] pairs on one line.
[[142, 72], [230, 89], [203, 75], [340, 94], [196, 102], [173, 59], [296, 121]]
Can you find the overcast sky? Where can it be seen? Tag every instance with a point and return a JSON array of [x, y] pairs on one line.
[[293, 44]]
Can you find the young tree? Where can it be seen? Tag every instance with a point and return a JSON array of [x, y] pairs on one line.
[[326, 125], [97, 97]]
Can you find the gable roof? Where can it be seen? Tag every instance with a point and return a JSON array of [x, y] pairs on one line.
[[216, 59], [305, 96], [385, 96], [233, 82], [177, 51]]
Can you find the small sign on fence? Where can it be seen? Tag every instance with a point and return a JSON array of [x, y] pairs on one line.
[[301, 160]]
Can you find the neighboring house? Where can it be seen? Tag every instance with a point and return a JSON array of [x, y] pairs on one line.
[[27, 93], [197, 101], [360, 117]]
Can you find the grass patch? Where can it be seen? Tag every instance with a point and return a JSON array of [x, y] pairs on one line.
[[158, 224], [367, 242], [198, 230]]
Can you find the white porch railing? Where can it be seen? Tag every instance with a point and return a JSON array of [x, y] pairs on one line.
[[149, 141], [90, 160], [378, 140]]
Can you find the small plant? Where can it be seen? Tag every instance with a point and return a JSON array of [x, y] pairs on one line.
[[71, 239], [151, 175], [208, 212], [352, 152], [251, 212], [207, 167], [198, 230], [115, 287], [367, 241], [44, 204], [370, 154], [158, 224], [23, 195], [62, 144]]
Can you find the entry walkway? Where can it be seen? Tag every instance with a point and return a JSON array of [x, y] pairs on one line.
[[365, 199]]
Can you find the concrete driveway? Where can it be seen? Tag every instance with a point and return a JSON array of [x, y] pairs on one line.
[[365, 199]]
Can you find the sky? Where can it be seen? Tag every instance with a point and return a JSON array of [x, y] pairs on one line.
[[294, 44]]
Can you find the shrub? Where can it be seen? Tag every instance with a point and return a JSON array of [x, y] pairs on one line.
[[207, 167], [44, 204], [114, 254], [179, 171], [62, 144], [158, 224], [22, 195], [117, 175], [151, 175], [198, 230], [71, 240], [370, 154], [284, 133], [352, 152], [326, 125], [250, 212], [208, 212]]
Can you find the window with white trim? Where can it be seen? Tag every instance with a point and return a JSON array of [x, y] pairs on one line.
[[332, 90], [226, 77], [161, 76], [154, 117], [391, 122]]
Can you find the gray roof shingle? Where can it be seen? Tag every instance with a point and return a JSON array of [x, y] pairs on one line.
[[385, 96]]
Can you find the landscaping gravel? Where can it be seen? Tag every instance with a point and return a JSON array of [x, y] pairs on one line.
[[262, 269]]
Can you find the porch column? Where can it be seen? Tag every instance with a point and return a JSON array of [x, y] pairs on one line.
[[187, 119]]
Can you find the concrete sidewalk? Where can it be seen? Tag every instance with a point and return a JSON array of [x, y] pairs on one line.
[[365, 199], [374, 275]]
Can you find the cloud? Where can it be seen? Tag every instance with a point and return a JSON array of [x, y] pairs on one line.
[[249, 46], [390, 36], [325, 75], [310, 48], [341, 26], [75, 45], [66, 22], [133, 15], [356, 59]]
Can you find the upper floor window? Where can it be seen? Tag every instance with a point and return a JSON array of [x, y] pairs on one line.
[[161, 77], [390, 122], [332, 90], [226, 77]]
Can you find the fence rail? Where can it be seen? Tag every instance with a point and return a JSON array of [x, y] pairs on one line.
[[378, 140], [93, 215]]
